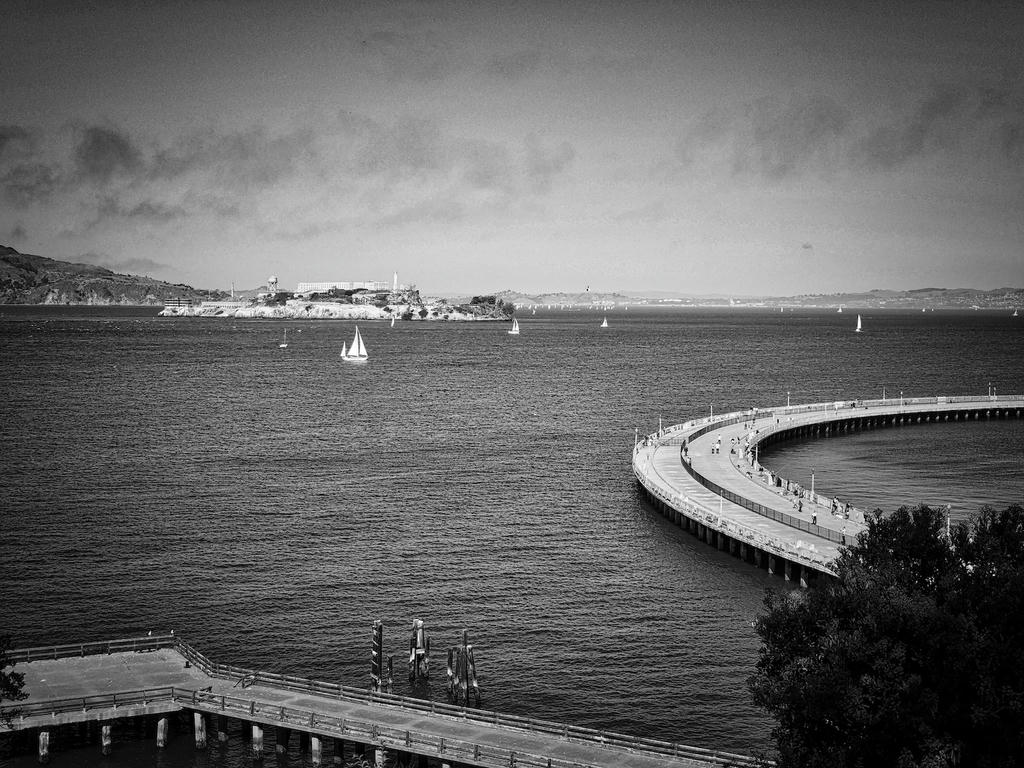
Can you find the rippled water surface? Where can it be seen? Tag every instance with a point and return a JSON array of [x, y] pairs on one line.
[[268, 504]]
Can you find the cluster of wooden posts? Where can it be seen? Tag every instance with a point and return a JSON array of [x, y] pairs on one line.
[[462, 685]]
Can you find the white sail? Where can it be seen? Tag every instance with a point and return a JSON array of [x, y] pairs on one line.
[[392, 322], [515, 327], [858, 324], [839, 311], [344, 349], [357, 350], [605, 323], [284, 343]]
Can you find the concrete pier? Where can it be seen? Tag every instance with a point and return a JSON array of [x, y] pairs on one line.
[[705, 475], [156, 676]]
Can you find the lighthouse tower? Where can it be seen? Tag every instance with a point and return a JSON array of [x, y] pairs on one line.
[[394, 283]]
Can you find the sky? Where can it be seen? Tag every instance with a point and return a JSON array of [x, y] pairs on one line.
[[741, 148]]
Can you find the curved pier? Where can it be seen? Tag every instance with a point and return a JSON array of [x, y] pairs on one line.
[[704, 476]]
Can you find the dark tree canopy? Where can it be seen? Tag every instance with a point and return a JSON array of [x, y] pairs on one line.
[[913, 656], [11, 682]]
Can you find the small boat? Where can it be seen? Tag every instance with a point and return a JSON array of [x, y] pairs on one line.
[[605, 323], [514, 330], [839, 311], [857, 329], [534, 311], [1014, 313], [357, 350], [923, 309], [284, 343]]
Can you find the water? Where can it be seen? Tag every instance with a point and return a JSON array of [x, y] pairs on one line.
[[268, 504]]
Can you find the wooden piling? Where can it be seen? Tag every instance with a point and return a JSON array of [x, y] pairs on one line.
[[161, 732], [257, 741], [787, 570], [772, 566], [339, 751], [222, 728], [316, 750], [106, 739], [44, 746], [199, 720]]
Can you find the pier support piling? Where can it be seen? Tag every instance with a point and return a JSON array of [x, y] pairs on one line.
[[316, 750], [106, 739], [772, 565], [222, 728], [199, 720], [44, 747], [339, 751], [257, 742], [161, 732]]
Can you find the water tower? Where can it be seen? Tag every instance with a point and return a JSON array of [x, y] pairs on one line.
[[272, 284]]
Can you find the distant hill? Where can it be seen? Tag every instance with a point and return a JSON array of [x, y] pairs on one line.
[[28, 279]]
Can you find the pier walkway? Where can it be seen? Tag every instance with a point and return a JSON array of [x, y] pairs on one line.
[[705, 476], [155, 676]]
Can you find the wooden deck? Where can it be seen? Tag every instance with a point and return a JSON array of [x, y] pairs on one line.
[[75, 684], [729, 492]]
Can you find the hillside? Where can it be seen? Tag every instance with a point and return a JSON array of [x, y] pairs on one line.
[[28, 279]]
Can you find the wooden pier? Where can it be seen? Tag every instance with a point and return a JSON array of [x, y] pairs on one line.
[[154, 677], [705, 476]]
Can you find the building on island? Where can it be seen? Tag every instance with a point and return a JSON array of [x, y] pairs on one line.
[[367, 285]]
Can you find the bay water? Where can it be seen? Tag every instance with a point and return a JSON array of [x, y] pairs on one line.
[[269, 504]]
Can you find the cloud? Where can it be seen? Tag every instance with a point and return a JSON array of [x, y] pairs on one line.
[[25, 184], [131, 265], [420, 55], [147, 211], [239, 161], [770, 139], [807, 246], [101, 153], [543, 165], [16, 140], [816, 134], [17, 232]]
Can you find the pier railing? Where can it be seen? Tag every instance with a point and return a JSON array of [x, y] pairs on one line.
[[150, 643]]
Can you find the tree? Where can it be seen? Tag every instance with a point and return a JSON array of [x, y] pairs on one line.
[[11, 683], [912, 656]]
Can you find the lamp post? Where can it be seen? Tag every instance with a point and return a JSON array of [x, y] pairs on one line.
[[883, 394], [901, 398], [712, 410], [787, 399], [990, 389], [812, 487]]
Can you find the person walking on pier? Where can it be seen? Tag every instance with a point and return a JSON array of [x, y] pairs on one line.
[[814, 517]]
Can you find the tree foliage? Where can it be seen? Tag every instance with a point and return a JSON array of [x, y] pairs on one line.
[[912, 656], [11, 682]]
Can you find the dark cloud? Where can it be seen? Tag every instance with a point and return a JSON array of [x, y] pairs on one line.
[[25, 184], [238, 161], [543, 165], [770, 139], [146, 211], [101, 153], [930, 125], [16, 140]]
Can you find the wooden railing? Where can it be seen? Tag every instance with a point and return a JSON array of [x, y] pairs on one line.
[[150, 643]]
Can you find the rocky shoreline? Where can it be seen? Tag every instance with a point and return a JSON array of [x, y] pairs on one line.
[[297, 309]]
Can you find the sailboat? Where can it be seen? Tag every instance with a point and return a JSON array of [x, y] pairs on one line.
[[344, 349], [534, 311], [392, 322], [605, 323], [514, 330], [1014, 312], [840, 310], [857, 329], [357, 351], [284, 343]]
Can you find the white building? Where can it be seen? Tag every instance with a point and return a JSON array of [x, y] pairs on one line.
[[369, 285]]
